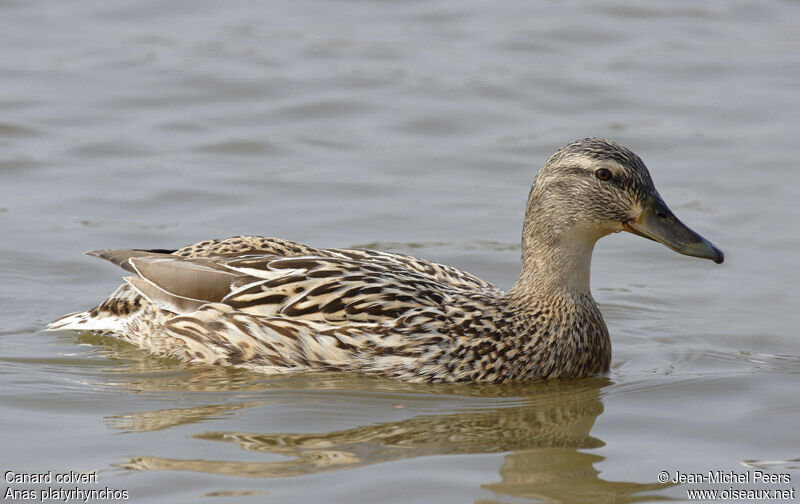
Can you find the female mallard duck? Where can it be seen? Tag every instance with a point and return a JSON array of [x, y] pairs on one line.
[[271, 305]]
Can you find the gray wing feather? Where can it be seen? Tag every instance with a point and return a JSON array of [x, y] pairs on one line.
[[159, 297], [121, 257], [201, 280]]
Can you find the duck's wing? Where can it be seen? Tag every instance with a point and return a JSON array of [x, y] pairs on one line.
[[446, 275], [333, 290], [121, 257], [277, 247], [271, 276], [239, 245]]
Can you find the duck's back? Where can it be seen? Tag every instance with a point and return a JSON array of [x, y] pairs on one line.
[[277, 247]]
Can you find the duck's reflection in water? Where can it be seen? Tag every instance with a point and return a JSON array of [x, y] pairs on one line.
[[543, 430], [565, 475]]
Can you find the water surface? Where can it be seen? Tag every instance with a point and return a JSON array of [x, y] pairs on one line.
[[415, 127]]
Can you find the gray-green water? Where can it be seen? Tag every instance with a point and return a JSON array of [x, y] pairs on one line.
[[415, 127]]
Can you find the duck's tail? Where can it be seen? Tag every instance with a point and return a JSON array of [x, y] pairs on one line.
[[86, 321], [111, 316]]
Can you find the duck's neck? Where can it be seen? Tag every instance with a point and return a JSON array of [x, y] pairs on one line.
[[555, 260]]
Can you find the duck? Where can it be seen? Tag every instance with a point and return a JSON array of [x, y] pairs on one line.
[[275, 306]]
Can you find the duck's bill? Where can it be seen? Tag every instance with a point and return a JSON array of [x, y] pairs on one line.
[[658, 223]]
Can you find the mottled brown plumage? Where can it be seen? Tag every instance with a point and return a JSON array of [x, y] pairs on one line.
[[274, 306]]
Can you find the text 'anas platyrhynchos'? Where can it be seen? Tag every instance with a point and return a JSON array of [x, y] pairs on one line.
[[275, 306]]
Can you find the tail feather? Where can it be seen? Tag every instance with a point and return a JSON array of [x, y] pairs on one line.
[[86, 321], [111, 315]]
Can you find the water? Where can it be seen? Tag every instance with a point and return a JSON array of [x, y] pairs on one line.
[[415, 127]]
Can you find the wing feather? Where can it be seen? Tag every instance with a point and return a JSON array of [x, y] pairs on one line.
[[272, 277]]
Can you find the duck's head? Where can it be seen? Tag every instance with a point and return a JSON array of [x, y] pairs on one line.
[[594, 187]]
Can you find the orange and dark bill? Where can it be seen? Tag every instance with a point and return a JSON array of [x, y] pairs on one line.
[[658, 223]]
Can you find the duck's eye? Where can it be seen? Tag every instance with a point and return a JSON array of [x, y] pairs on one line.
[[603, 174]]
